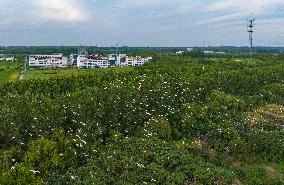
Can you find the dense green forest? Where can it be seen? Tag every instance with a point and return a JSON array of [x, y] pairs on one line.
[[67, 50], [178, 120]]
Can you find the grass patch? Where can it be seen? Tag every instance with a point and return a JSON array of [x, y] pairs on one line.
[[9, 71], [8, 75], [268, 114], [59, 72], [262, 174], [9, 65]]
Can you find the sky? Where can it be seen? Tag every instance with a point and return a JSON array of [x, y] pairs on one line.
[[182, 23]]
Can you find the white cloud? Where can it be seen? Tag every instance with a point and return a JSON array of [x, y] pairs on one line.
[[223, 11], [141, 2], [59, 10], [130, 20], [223, 18], [255, 6]]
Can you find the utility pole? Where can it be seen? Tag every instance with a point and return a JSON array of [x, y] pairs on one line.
[[250, 31]]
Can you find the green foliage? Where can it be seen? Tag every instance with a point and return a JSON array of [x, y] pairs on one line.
[[274, 93], [60, 72], [138, 161], [218, 116], [44, 156], [197, 53], [8, 158], [260, 174], [157, 128], [175, 121], [19, 175], [263, 145], [9, 71]]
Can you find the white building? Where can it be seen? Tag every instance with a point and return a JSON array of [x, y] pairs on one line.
[[74, 58], [208, 52], [179, 52], [113, 60], [137, 61], [93, 61], [82, 52], [220, 53], [212, 52], [7, 59], [121, 60], [47, 61], [189, 49]]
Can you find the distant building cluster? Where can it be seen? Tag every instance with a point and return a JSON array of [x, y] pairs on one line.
[[213, 52], [182, 51], [113, 60], [6, 59], [188, 50], [48, 61], [84, 60]]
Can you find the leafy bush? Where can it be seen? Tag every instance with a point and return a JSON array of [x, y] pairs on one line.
[[176, 121], [19, 175], [138, 161], [157, 128]]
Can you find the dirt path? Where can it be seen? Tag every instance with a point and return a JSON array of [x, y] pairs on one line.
[[23, 72]]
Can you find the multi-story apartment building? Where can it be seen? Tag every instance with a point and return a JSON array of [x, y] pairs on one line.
[[137, 61], [74, 57], [121, 60], [112, 59], [47, 61], [83, 60], [93, 61]]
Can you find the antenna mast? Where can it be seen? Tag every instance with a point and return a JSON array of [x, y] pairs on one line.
[[250, 31]]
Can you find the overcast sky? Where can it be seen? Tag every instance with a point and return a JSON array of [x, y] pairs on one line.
[[140, 22]]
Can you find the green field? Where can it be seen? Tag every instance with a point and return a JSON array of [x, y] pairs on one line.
[[9, 71], [180, 120], [60, 72]]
